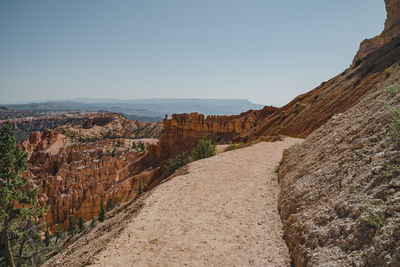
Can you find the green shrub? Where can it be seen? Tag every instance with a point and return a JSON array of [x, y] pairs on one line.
[[102, 214], [204, 149], [395, 125], [176, 163], [72, 229], [370, 216], [59, 234], [81, 224], [93, 223], [393, 90], [231, 147], [278, 167], [110, 204], [357, 61], [140, 188], [388, 72]]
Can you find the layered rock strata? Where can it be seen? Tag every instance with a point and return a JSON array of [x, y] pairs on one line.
[[76, 163]]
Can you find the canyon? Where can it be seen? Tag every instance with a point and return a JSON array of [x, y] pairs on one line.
[[88, 156], [346, 160]]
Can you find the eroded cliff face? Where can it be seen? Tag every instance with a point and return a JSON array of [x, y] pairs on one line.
[[391, 30], [309, 111], [183, 130], [76, 163], [340, 188]]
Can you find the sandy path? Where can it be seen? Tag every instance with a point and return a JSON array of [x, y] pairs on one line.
[[223, 213]]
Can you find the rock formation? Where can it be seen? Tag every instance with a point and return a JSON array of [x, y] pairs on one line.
[[391, 30], [74, 164], [309, 111]]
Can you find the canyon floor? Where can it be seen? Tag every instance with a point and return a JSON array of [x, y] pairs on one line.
[[222, 211]]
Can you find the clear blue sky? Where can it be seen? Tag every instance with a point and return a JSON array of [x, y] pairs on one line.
[[261, 50]]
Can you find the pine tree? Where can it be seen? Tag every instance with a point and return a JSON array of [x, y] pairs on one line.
[[58, 233], [17, 202], [140, 188], [93, 222], [102, 214], [47, 237], [141, 146], [82, 226], [71, 225], [204, 149]]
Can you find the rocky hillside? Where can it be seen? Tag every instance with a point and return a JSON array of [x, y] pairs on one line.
[[340, 189], [74, 164], [391, 30]]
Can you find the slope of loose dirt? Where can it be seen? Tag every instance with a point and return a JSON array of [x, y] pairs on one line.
[[222, 211], [324, 180]]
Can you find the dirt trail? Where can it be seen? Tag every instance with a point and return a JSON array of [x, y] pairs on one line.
[[222, 213]]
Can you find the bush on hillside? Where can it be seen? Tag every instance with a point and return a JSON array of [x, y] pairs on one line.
[[395, 133], [357, 61], [204, 149], [388, 72], [177, 162]]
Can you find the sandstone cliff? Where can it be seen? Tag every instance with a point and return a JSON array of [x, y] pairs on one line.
[[74, 164], [391, 30], [309, 111]]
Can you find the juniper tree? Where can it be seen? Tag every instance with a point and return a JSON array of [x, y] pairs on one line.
[[47, 236], [102, 214], [71, 225], [140, 187], [93, 222], [58, 233], [204, 149], [81, 224], [17, 200], [141, 146]]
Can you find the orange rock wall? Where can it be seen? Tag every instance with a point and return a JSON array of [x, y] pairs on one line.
[[72, 176], [391, 30]]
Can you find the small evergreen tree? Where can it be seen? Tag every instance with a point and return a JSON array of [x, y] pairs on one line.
[[71, 225], [58, 233], [140, 188], [93, 223], [204, 149], [133, 145], [81, 224], [141, 146], [17, 202], [47, 237], [109, 204], [102, 214]]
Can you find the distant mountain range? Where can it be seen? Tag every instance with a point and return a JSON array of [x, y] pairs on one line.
[[143, 109]]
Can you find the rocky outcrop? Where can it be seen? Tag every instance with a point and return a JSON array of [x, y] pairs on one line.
[[181, 132], [391, 30], [340, 188], [74, 164], [309, 111]]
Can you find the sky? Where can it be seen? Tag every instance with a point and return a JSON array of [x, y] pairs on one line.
[[261, 50]]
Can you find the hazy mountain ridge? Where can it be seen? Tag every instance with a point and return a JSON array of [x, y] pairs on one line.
[[145, 109]]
